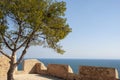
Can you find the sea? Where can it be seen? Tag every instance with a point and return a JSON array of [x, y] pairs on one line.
[[76, 63]]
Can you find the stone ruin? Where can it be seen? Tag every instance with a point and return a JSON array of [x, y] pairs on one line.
[[29, 66], [98, 73], [4, 65], [59, 70], [63, 71]]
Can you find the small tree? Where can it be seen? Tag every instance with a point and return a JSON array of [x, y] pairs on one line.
[[24, 23]]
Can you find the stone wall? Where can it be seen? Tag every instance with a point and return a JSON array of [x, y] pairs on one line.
[[29, 65], [59, 70], [40, 69], [97, 73], [94, 73], [73, 76], [4, 65], [66, 72]]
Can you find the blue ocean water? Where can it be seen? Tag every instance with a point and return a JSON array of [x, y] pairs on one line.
[[76, 63]]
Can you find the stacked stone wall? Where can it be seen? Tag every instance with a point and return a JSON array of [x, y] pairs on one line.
[[29, 65], [4, 65], [61, 70], [97, 73], [40, 69]]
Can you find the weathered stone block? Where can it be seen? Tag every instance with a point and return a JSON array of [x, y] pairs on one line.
[[40, 69], [29, 65], [4, 65], [97, 73], [73, 76], [59, 70]]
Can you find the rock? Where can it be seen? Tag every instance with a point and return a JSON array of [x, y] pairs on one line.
[[116, 74]]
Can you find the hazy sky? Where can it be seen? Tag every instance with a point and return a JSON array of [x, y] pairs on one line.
[[95, 31]]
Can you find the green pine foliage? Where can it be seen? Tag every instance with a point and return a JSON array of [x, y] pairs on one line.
[[39, 22]]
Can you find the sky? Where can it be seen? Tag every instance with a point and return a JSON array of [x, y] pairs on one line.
[[95, 31]]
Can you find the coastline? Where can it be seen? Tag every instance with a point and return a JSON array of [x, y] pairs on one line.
[[33, 69]]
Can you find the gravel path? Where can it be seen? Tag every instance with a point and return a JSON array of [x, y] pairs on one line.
[[31, 77]]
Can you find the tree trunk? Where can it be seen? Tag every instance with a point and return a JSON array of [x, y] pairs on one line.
[[11, 71]]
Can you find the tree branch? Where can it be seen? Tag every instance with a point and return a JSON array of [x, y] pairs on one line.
[[26, 47], [24, 52], [19, 33], [5, 54], [6, 43], [10, 40], [26, 40]]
